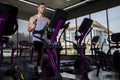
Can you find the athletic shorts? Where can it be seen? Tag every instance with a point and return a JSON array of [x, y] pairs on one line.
[[38, 45]]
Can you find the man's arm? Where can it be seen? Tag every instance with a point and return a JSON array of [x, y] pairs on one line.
[[31, 24], [48, 21]]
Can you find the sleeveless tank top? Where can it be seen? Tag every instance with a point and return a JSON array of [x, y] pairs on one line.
[[40, 25]]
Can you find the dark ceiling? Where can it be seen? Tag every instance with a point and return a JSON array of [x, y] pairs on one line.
[[89, 6], [57, 3]]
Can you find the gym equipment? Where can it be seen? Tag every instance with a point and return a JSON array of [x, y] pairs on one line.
[[8, 19], [22, 69], [51, 63], [94, 46], [108, 61], [24, 45], [51, 49], [3, 42], [8, 14], [115, 39], [92, 60], [80, 34]]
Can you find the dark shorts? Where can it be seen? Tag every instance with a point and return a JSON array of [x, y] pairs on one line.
[[38, 45]]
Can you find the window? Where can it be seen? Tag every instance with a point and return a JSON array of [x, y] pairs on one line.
[[100, 17], [114, 19], [68, 47], [102, 29], [23, 33]]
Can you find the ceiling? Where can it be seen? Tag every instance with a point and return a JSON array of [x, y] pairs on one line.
[[57, 3], [87, 6]]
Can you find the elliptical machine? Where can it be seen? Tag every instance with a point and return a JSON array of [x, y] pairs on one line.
[[110, 61], [8, 26], [53, 48], [80, 34], [50, 67]]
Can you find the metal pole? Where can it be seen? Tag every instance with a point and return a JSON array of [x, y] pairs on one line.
[[76, 23], [76, 26], [108, 26], [65, 43], [91, 38]]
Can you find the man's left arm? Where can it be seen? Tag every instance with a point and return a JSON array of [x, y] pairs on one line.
[[48, 21]]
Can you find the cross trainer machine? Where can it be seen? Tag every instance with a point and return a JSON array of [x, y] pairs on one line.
[[80, 34], [108, 61], [52, 48], [8, 19], [8, 26], [51, 64]]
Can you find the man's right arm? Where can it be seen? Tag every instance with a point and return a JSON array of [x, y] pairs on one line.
[[31, 24]]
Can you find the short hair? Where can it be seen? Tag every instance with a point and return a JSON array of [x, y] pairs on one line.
[[42, 3]]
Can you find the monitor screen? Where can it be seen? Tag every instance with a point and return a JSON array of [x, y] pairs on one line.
[[85, 24], [59, 14], [10, 13]]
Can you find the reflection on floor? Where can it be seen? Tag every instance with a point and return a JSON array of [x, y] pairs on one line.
[[103, 75]]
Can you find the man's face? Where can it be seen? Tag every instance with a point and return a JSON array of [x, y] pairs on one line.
[[41, 8]]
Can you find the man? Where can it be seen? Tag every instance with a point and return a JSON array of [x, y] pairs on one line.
[[38, 22]]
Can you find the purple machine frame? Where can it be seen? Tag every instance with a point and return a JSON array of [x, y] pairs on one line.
[[8, 14], [3, 18], [84, 29], [53, 63], [57, 22]]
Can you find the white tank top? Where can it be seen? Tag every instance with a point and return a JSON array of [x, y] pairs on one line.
[[40, 25]]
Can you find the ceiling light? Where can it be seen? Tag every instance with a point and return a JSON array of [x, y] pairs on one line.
[[50, 9], [29, 2], [78, 4], [34, 4], [68, 0]]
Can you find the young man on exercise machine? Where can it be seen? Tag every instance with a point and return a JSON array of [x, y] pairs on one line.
[[38, 22]]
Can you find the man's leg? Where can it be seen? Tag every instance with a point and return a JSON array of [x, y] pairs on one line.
[[39, 60], [38, 48]]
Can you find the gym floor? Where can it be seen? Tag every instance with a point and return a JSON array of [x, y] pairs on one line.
[[103, 75]]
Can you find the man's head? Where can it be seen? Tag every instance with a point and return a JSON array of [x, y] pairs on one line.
[[41, 8]]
